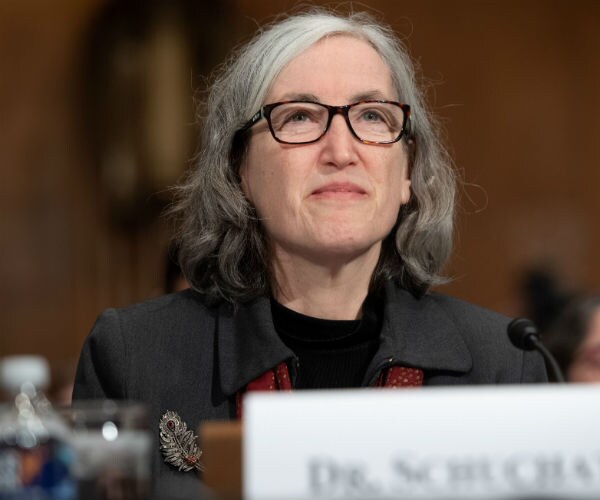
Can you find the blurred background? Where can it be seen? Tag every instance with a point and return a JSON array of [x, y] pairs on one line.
[[97, 120]]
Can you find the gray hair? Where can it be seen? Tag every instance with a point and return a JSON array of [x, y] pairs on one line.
[[222, 247]]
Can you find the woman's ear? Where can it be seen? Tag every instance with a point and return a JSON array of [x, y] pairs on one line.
[[406, 182], [243, 173], [405, 190]]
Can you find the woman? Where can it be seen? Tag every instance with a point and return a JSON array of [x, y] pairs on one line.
[[318, 216], [574, 339]]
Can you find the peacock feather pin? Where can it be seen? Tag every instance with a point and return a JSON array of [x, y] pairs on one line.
[[178, 444]]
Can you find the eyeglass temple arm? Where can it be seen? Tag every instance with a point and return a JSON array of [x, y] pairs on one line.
[[257, 116], [407, 130]]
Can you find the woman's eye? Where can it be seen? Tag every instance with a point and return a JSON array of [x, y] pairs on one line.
[[298, 116], [371, 116]]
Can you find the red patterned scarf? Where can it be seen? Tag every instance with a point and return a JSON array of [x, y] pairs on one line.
[[278, 379]]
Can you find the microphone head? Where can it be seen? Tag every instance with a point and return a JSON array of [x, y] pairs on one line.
[[523, 333]]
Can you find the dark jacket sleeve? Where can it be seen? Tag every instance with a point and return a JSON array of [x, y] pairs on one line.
[[102, 368]]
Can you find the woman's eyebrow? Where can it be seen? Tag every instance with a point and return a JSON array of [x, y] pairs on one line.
[[362, 96], [295, 96], [369, 95]]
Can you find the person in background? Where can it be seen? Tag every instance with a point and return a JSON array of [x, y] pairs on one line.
[[317, 217], [574, 339], [543, 295]]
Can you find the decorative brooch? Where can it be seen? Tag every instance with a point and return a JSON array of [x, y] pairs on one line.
[[178, 444]]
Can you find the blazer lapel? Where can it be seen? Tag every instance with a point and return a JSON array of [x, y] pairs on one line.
[[417, 332], [247, 344]]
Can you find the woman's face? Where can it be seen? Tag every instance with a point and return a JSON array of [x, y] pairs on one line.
[[586, 363], [336, 197]]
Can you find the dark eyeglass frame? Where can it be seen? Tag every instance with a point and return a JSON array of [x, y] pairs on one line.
[[265, 112]]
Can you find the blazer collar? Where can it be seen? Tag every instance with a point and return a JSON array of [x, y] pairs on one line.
[[247, 343], [416, 332]]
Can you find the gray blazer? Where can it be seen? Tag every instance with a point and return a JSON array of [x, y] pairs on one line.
[[176, 353]]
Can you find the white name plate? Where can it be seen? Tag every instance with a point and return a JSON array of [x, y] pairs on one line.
[[452, 443]]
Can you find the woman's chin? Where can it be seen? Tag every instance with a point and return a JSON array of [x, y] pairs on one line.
[[340, 251]]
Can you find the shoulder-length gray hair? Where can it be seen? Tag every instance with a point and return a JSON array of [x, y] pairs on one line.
[[222, 247]]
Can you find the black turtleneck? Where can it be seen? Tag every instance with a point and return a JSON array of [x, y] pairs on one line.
[[332, 353]]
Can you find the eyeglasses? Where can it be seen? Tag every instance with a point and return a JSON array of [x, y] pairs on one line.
[[303, 122]]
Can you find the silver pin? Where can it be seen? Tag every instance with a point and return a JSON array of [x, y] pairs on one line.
[[178, 444]]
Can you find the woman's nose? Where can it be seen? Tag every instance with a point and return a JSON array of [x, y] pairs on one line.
[[339, 145]]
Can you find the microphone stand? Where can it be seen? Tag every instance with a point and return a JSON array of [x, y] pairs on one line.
[[549, 358], [524, 335]]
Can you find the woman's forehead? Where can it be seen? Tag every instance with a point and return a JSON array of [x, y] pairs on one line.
[[339, 67]]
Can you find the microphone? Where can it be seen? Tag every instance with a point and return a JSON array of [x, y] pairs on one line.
[[524, 335]]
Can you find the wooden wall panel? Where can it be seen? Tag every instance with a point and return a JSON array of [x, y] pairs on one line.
[[63, 260]]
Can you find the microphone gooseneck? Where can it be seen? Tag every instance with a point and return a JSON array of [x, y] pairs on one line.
[[524, 335]]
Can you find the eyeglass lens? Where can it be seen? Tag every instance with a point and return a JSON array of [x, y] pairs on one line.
[[297, 122]]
